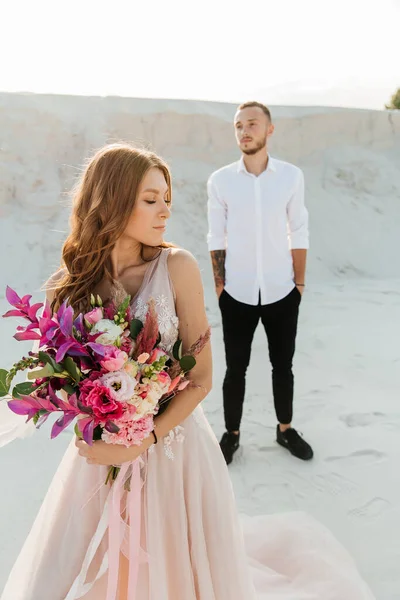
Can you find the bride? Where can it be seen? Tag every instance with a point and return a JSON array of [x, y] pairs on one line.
[[192, 544]]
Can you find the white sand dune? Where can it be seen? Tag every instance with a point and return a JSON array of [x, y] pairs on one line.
[[348, 357]]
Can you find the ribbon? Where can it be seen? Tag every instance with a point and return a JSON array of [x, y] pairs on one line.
[[111, 519]]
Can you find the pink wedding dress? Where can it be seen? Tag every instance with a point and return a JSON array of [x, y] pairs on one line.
[[192, 544]]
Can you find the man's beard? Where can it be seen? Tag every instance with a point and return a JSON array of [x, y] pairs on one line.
[[251, 151]]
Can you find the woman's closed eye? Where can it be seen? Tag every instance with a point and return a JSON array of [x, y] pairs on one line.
[[167, 201]]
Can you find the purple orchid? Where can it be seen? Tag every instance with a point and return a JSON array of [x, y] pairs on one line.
[[25, 310], [57, 330], [86, 427], [62, 423], [31, 405], [26, 333]]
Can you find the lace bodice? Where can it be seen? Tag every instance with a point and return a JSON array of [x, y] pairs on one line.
[[167, 319], [157, 285]]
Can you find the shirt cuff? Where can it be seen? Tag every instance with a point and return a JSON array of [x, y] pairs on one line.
[[216, 244], [298, 243]]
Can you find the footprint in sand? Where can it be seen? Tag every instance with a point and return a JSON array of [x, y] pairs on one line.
[[333, 484], [361, 457], [371, 510], [362, 419]]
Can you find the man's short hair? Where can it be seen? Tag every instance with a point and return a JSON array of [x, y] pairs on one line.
[[254, 104]]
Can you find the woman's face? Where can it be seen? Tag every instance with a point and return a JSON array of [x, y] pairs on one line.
[[148, 219]]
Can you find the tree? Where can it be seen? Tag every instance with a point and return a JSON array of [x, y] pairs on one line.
[[394, 101]]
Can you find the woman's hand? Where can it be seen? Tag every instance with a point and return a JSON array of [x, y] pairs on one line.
[[101, 453]]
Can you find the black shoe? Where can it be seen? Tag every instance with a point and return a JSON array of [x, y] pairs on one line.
[[229, 444], [291, 440]]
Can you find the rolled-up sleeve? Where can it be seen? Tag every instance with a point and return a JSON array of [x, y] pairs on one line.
[[217, 215], [297, 216]]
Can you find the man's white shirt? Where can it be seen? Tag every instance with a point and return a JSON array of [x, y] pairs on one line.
[[257, 220]]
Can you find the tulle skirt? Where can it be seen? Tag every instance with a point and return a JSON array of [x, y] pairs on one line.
[[191, 544]]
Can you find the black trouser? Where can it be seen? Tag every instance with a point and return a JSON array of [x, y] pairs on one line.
[[239, 322]]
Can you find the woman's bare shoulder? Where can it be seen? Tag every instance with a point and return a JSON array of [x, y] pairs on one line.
[[179, 259], [185, 275]]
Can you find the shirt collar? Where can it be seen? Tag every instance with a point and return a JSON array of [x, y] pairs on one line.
[[270, 167]]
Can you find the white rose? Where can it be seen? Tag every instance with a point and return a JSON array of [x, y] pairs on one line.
[[143, 408], [155, 392], [109, 330]]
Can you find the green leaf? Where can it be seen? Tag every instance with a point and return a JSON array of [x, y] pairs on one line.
[[4, 387], [124, 305], [37, 416], [49, 360], [72, 369], [177, 350], [187, 363], [23, 389], [77, 432], [136, 328], [69, 388], [46, 371], [97, 433]]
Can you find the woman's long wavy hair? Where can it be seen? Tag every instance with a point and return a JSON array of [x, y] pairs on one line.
[[103, 201]]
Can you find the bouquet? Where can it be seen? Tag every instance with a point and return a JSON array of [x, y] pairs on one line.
[[105, 369]]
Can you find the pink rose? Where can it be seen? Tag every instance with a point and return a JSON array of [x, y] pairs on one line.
[[94, 315], [156, 355], [100, 400], [114, 359], [86, 385]]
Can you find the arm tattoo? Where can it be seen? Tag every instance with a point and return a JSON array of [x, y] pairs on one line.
[[218, 264]]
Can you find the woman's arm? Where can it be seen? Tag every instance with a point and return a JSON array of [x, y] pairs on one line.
[[190, 309]]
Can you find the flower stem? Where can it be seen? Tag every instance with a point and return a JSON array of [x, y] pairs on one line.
[[112, 474]]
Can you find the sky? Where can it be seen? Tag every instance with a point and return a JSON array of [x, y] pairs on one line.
[[289, 52]]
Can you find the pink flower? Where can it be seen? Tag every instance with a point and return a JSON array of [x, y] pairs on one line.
[[126, 342], [128, 416], [114, 359], [94, 315], [163, 378], [156, 355], [182, 385], [132, 433], [100, 400], [131, 368], [143, 358], [174, 383]]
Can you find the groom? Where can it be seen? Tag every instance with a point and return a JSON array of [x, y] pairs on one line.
[[258, 239]]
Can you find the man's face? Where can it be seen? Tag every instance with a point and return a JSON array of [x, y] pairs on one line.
[[252, 129]]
